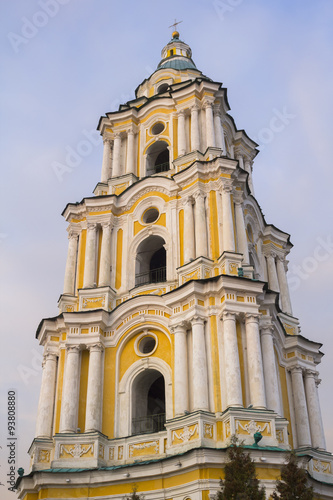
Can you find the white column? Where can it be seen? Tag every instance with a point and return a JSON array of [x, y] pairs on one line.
[[269, 364], [47, 397], [228, 224], [200, 226], [195, 130], [189, 253], [254, 361], [241, 232], [71, 264], [218, 129], [224, 148], [210, 134], [181, 133], [199, 365], [116, 156], [105, 261], [301, 412], [272, 274], [231, 361], [316, 424], [94, 389], [283, 285], [181, 369], [90, 258], [106, 165], [130, 160], [70, 391], [248, 168]]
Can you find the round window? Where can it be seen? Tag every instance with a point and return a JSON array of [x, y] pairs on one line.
[[157, 128], [147, 344], [150, 215]]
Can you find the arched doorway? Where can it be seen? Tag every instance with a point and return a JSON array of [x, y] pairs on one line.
[[150, 264], [148, 402]]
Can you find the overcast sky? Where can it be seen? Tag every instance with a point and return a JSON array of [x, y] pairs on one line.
[[71, 61]]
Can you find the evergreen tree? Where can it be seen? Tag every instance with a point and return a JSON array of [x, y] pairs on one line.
[[293, 483], [240, 481]]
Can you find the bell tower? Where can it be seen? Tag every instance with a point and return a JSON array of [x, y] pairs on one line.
[[175, 328]]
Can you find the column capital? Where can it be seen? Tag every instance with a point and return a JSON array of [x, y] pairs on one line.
[[130, 130], [73, 348], [91, 226], [72, 234], [295, 369], [199, 195], [217, 111], [98, 347], [308, 373], [188, 200], [107, 139], [266, 329], [252, 318], [117, 135], [180, 112], [227, 315], [227, 188], [106, 225], [207, 103], [52, 356], [197, 320], [194, 108], [181, 326], [238, 198]]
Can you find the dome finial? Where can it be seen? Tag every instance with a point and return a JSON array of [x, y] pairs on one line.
[[175, 33]]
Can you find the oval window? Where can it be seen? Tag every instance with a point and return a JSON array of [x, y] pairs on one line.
[[150, 215], [157, 128], [162, 88], [147, 344]]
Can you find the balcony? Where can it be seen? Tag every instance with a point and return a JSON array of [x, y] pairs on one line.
[[148, 424], [157, 275]]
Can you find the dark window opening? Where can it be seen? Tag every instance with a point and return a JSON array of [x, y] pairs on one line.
[[150, 264], [162, 162], [158, 158], [162, 88], [148, 403]]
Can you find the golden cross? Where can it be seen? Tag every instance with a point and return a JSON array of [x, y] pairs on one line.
[[175, 24]]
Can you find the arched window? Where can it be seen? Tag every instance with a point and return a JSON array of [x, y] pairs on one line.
[[150, 264], [148, 402], [158, 159]]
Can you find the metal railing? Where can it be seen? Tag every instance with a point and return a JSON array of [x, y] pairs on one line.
[[153, 276], [162, 167], [149, 424]]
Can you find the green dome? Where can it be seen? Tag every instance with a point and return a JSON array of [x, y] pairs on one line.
[[177, 63]]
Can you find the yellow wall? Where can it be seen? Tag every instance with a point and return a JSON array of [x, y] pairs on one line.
[[109, 390], [129, 356]]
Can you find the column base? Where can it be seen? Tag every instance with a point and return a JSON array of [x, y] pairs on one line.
[[199, 268], [96, 298]]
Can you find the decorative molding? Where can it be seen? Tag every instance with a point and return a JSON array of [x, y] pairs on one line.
[[77, 450], [253, 427], [186, 435]]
